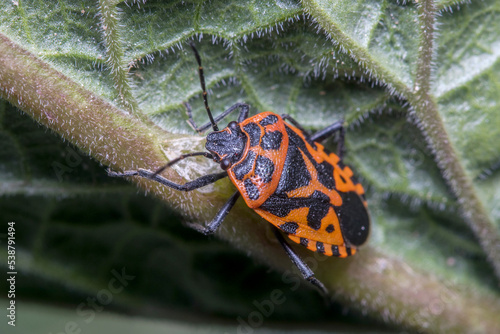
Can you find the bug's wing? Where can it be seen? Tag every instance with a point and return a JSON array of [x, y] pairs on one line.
[[326, 239]]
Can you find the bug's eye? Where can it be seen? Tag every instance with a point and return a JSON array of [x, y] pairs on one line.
[[225, 164], [233, 125]]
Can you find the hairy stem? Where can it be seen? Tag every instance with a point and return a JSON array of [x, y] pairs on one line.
[[351, 47], [426, 110], [84, 119], [114, 55]]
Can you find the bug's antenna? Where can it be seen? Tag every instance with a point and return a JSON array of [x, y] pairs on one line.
[[203, 87]]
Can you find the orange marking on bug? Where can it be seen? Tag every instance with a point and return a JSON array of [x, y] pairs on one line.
[[299, 216], [343, 177]]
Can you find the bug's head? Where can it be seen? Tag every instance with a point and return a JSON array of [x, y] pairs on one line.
[[227, 145]]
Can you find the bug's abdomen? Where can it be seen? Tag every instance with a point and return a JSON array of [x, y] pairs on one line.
[[318, 202]]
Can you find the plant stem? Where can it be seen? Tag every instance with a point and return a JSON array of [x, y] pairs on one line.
[[114, 55], [426, 111]]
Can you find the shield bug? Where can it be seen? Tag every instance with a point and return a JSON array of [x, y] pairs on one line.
[[285, 175]]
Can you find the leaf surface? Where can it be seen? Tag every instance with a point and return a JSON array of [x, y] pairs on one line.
[[416, 83]]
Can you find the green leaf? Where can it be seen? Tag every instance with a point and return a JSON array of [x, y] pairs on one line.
[[416, 83]]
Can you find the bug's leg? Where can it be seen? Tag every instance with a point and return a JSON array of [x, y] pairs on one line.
[[188, 186], [306, 272], [189, 112], [244, 109], [182, 157], [161, 169], [323, 134], [219, 217], [330, 131], [295, 123]]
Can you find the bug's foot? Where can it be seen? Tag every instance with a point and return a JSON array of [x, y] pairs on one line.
[[316, 282], [201, 228]]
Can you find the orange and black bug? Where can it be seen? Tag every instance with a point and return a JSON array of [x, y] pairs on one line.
[[286, 176]]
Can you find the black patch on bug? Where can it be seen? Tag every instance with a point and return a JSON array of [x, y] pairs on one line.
[[264, 168], [335, 250], [342, 178], [289, 227], [320, 247], [295, 174], [295, 140], [318, 211], [271, 140], [304, 241], [324, 169], [281, 205], [353, 218], [320, 196], [348, 251], [251, 189], [244, 167], [325, 175], [254, 132], [330, 228], [271, 119]]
